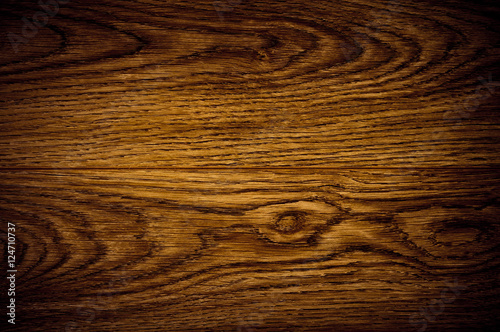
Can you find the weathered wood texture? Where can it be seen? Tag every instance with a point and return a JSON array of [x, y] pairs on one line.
[[257, 83], [268, 250]]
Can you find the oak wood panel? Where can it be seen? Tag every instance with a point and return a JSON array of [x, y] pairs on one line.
[[120, 122], [247, 250], [251, 83]]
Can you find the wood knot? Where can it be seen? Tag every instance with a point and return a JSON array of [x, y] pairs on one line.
[[294, 222], [290, 222], [450, 232]]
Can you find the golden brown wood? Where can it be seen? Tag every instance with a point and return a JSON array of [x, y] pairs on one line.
[[262, 165], [222, 250], [265, 83]]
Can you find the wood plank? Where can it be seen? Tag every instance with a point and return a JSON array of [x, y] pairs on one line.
[[247, 250], [251, 83]]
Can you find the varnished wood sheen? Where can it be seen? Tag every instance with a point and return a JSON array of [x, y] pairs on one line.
[[237, 165]]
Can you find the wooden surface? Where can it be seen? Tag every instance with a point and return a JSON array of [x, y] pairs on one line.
[[291, 83], [252, 165], [268, 250]]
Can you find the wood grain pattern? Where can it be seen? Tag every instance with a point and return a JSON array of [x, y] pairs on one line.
[[222, 250], [234, 165], [267, 83]]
